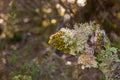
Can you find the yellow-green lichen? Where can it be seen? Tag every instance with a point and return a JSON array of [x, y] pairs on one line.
[[58, 42]]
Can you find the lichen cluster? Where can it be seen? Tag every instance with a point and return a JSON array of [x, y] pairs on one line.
[[89, 44], [107, 60]]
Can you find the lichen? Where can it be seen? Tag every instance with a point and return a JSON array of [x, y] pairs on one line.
[[89, 43], [107, 59], [87, 61], [56, 40]]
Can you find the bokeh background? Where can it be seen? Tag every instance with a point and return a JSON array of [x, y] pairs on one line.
[[25, 27]]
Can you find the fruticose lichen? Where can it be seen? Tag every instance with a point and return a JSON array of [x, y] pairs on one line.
[[89, 44]]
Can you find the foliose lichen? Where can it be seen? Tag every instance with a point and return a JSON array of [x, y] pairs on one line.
[[89, 43]]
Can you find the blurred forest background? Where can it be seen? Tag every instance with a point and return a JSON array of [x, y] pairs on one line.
[[25, 27]]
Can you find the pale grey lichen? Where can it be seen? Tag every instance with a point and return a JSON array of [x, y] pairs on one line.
[[89, 43], [87, 61]]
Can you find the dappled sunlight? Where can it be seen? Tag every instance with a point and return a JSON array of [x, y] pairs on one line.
[[53, 21], [71, 1], [61, 9], [81, 2], [1, 21], [47, 10], [45, 23]]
